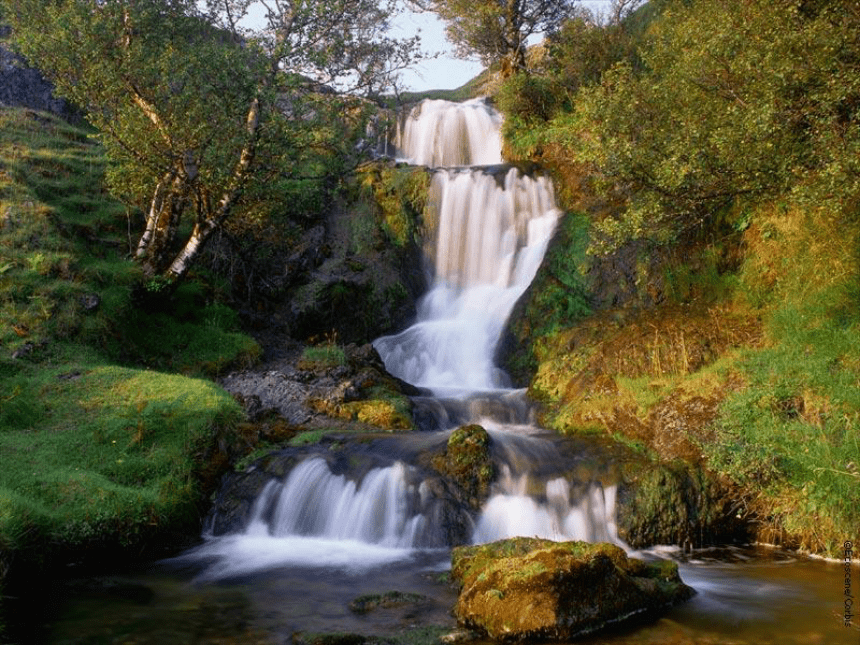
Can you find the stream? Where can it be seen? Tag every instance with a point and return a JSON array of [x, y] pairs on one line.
[[324, 535]]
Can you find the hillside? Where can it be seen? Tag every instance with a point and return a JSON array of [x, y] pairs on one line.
[[702, 298], [108, 435]]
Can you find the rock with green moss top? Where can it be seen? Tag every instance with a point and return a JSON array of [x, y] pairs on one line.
[[677, 503], [467, 463], [526, 589]]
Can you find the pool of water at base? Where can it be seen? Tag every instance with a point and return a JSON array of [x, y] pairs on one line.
[[746, 596]]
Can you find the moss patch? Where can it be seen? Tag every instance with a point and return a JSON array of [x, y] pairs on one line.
[[467, 462]]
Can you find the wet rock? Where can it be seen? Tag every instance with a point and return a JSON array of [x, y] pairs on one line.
[[237, 493], [678, 504], [527, 589], [389, 599], [365, 285], [468, 464], [347, 383], [272, 389]]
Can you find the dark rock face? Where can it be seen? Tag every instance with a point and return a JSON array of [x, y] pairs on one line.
[[679, 504], [351, 272], [362, 288], [23, 86], [527, 589]]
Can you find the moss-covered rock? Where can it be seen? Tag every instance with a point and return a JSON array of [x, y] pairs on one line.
[[467, 464], [525, 589], [365, 273], [679, 504]]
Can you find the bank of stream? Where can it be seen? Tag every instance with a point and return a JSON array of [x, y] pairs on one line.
[[361, 516]]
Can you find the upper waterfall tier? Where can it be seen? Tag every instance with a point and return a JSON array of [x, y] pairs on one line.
[[440, 133]]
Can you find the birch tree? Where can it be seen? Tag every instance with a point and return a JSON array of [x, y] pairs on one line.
[[187, 94]]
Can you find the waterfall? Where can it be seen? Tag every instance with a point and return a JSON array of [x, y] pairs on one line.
[[492, 226], [492, 229], [440, 133], [513, 512], [314, 502]]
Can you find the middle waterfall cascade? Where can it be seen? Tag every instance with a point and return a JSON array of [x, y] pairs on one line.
[[491, 229], [314, 502], [493, 226]]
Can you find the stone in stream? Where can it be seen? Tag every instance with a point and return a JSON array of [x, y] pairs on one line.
[[533, 589], [467, 463]]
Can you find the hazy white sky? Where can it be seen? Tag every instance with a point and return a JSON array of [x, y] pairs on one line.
[[447, 72]]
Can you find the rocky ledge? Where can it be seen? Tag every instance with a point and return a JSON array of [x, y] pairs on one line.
[[526, 589], [312, 388]]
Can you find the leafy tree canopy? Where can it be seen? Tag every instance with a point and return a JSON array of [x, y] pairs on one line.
[[731, 101], [496, 31], [198, 110]]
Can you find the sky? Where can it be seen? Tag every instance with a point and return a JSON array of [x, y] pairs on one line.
[[446, 72]]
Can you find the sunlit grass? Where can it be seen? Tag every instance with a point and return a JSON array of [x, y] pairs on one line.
[[96, 449], [99, 452]]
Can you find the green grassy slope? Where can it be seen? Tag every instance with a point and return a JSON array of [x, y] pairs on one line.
[[106, 424]]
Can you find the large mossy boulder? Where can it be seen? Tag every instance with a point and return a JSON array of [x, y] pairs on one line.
[[525, 589]]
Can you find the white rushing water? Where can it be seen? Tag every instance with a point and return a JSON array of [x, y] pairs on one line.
[[492, 230], [440, 133], [512, 512], [492, 227], [314, 502]]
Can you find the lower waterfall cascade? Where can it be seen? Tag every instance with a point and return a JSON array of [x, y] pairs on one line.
[[493, 225]]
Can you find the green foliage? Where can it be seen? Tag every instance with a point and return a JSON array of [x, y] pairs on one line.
[[558, 298], [496, 31], [562, 293], [796, 427], [527, 102], [308, 437], [198, 114], [323, 356], [401, 196], [732, 131], [722, 110], [94, 454], [582, 50], [112, 457], [701, 277]]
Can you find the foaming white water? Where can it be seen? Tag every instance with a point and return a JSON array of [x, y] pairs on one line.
[[240, 555], [312, 501], [492, 235], [316, 518], [512, 511], [491, 230], [440, 133]]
